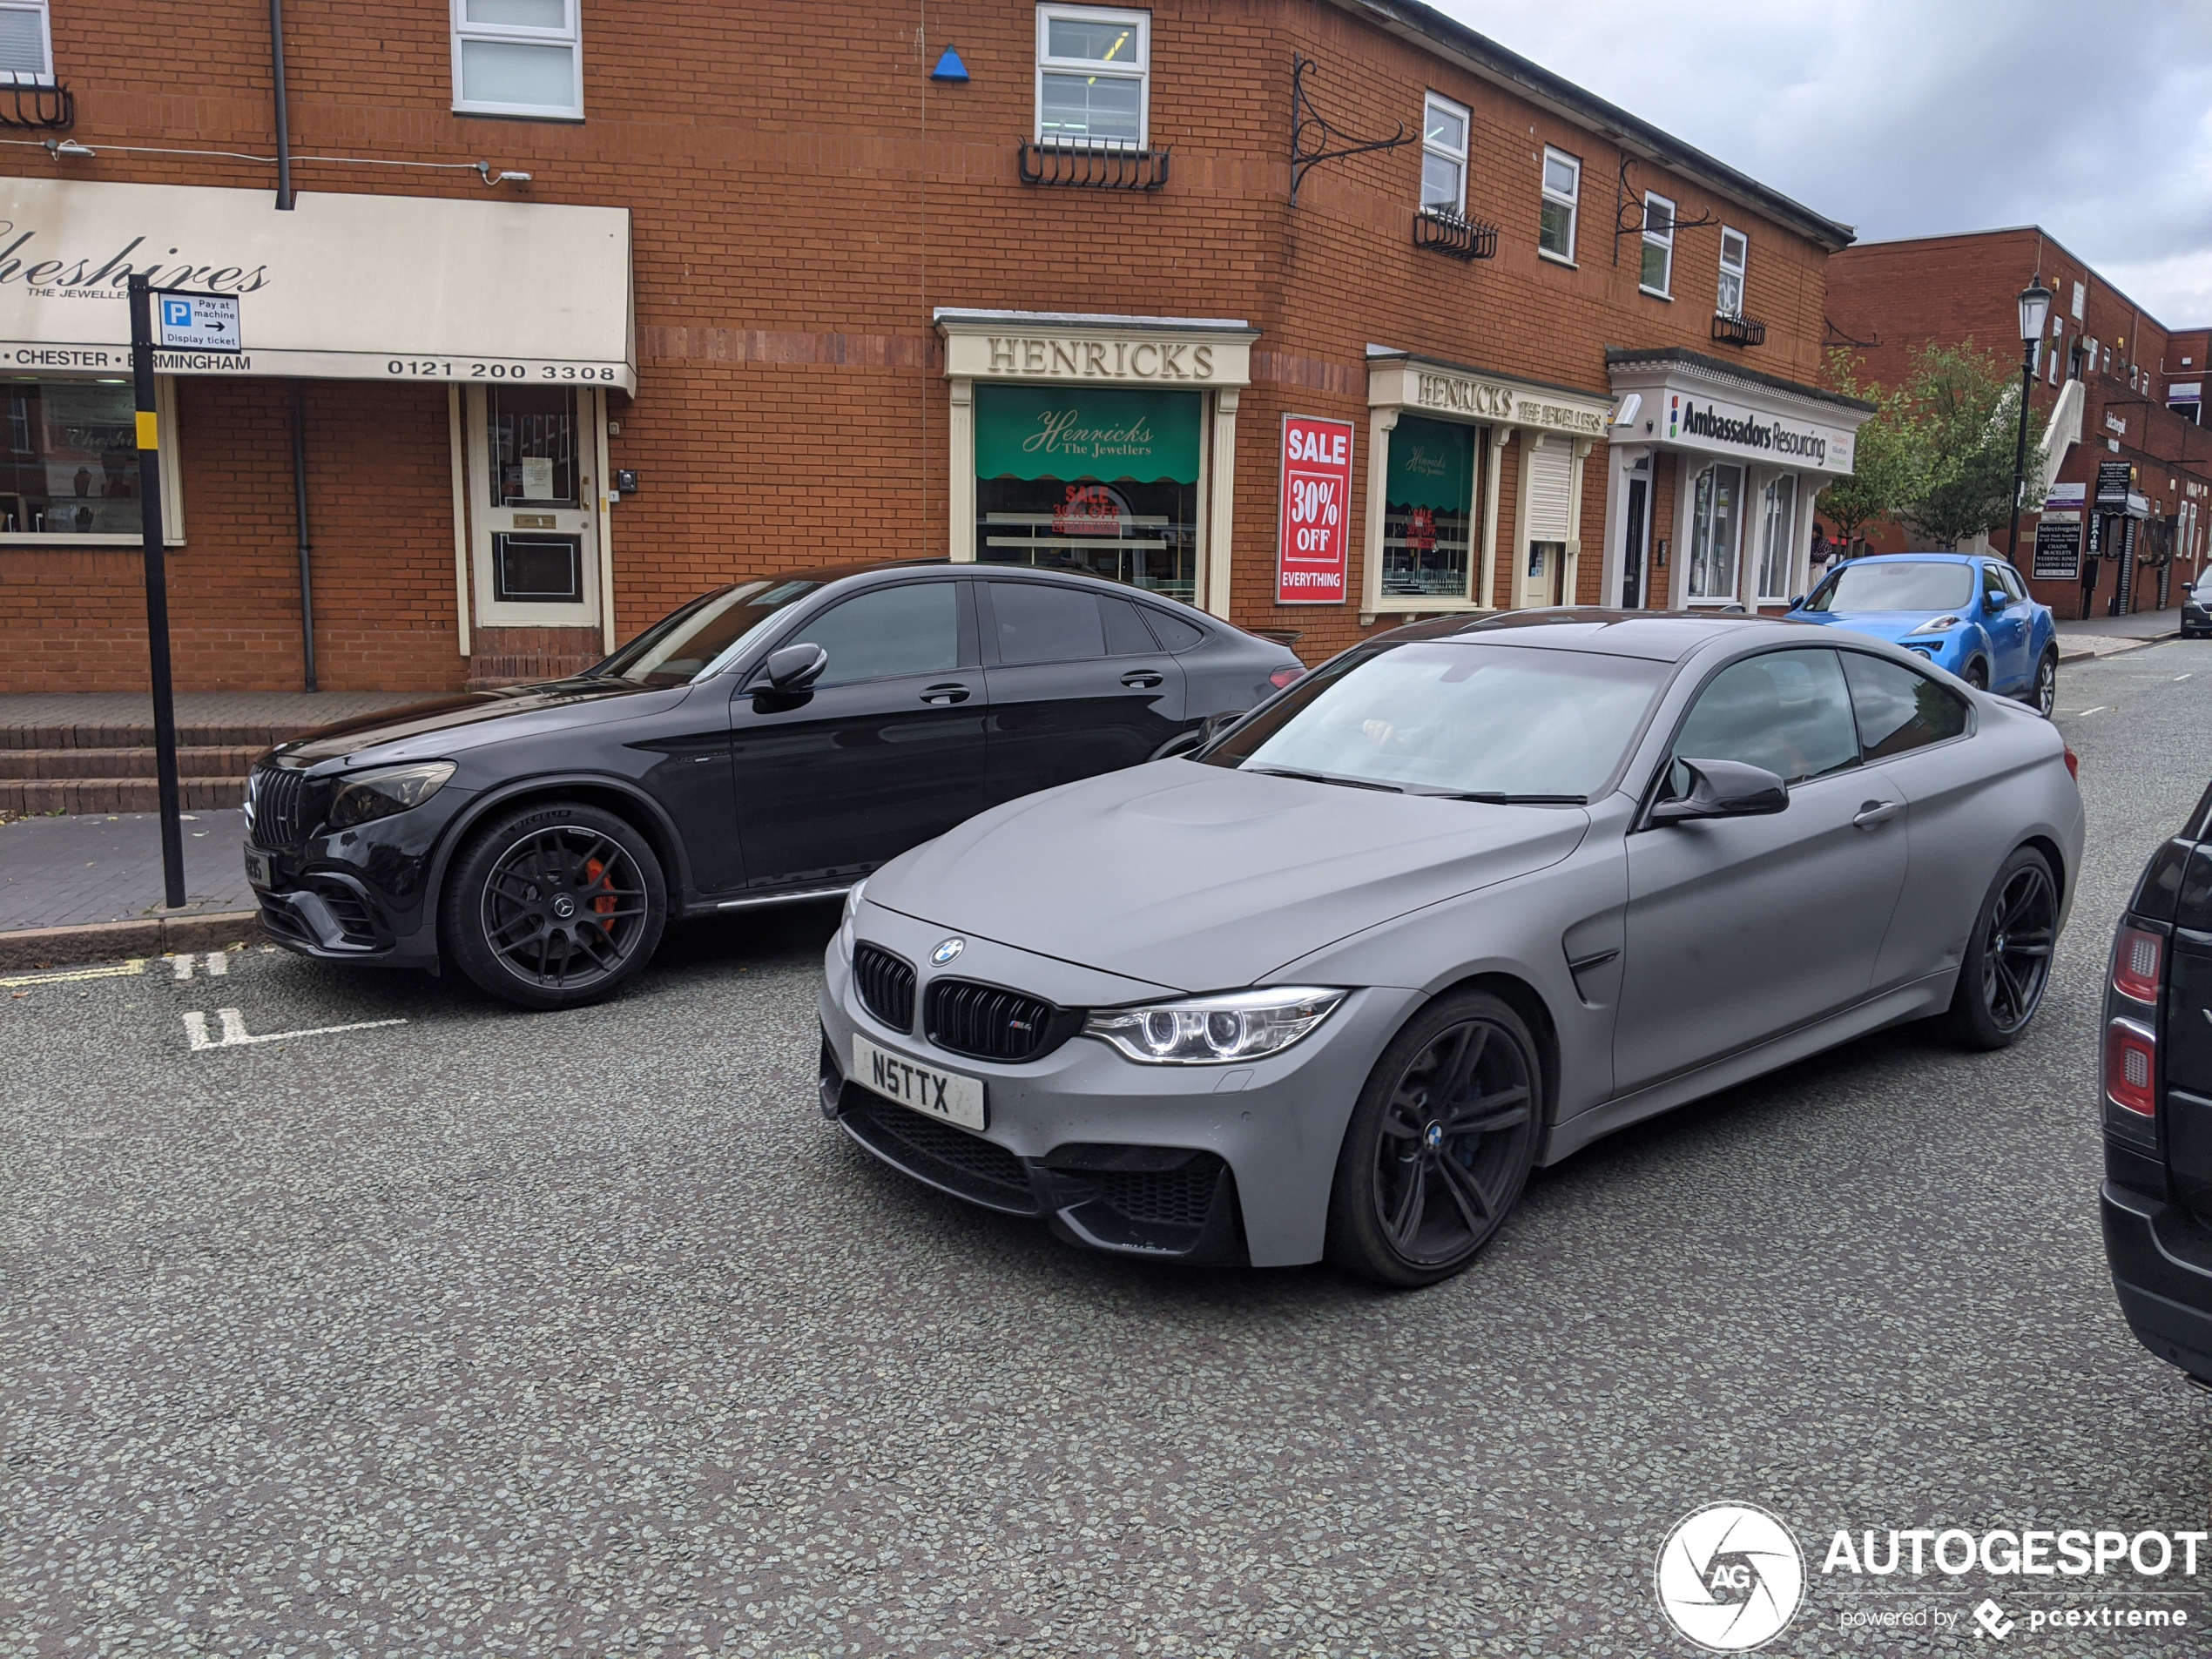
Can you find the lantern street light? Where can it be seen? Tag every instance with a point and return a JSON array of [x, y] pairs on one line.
[[2036, 311]]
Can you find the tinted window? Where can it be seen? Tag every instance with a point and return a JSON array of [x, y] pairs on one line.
[[1175, 633], [1039, 624], [912, 630], [1789, 711], [1125, 633], [1862, 585], [2011, 578], [1897, 709], [1993, 587]]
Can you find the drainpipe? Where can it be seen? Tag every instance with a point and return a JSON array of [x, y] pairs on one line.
[[299, 502], [283, 137]]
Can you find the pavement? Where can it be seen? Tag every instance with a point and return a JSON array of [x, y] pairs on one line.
[[128, 709], [71, 872], [2087, 637], [392, 1322]]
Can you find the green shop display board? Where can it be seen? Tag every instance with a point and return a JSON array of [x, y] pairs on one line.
[[1432, 465], [1087, 432]]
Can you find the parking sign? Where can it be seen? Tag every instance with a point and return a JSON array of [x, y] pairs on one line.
[[1313, 558], [196, 322]]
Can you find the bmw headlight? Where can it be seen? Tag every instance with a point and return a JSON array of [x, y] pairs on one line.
[[1210, 1030], [852, 912], [380, 794], [1936, 625]]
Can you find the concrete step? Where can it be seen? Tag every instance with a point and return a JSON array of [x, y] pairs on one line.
[[204, 761], [254, 735], [79, 796]]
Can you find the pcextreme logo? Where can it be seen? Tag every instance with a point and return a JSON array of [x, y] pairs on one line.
[[1731, 1577]]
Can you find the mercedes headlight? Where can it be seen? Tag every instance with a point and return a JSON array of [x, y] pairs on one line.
[[1936, 625], [852, 914], [380, 794], [1211, 1030]]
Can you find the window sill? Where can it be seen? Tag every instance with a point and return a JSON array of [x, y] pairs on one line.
[[1655, 293], [1402, 604], [509, 112], [1557, 259], [104, 543]]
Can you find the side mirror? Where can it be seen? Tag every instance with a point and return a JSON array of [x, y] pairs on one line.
[[1725, 789], [796, 667], [1797, 602]]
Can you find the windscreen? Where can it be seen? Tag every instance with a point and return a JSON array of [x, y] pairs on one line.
[[698, 637], [1454, 718], [1896, 587]]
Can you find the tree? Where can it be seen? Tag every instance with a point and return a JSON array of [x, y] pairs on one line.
[[1886, 459], [1965, 405]]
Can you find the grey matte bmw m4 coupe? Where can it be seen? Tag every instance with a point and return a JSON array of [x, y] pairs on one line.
[[1466, 898]]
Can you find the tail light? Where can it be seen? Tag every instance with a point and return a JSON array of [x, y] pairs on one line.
[[1285, 675], [2073, 764], [2131, 1066], [2135, 959]]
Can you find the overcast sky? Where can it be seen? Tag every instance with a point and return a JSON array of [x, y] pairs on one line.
[[1906, 118]]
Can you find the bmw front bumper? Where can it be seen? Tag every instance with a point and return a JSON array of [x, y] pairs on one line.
[[1217, 1163]]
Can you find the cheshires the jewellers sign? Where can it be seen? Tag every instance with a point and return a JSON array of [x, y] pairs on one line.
[[1729, 428]]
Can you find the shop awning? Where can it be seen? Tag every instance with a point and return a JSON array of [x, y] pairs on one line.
[[341, 287]]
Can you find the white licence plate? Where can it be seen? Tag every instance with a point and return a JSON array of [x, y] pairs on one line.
[[260, 870], [929, 1090]]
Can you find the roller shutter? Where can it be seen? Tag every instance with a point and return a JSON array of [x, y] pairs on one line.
[[1551, 474]]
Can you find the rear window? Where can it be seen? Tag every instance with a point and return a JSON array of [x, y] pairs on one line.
[[1175, 633]]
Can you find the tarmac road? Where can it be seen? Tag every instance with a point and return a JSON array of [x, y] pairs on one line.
[[482, 1332]]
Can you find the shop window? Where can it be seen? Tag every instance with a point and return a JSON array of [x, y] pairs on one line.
[[1092, 70], [1428, 509], [1658, 273], [518, 57], [1444, 156], [70, 468], [1562, 194], [1777, 539], [26, 43], [1717, 510], [1736, 254], [1102, 479]]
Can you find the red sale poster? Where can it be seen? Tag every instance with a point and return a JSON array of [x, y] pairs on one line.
[[1313, 560]]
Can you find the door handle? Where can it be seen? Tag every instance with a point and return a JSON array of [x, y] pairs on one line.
[[1144, 679], [951, 691], [1875, 813]]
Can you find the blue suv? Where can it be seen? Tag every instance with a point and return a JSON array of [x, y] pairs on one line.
[[1962, 611]]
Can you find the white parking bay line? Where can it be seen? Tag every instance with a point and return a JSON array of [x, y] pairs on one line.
[[219, 964], [234, 1034]]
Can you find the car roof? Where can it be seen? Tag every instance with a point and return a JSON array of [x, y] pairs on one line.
[[1657, 636], [823, 575], [1933, 555]]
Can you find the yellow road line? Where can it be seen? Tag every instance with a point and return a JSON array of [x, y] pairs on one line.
[[116, 970]]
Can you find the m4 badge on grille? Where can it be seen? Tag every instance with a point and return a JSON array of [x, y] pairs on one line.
[[947, 951]]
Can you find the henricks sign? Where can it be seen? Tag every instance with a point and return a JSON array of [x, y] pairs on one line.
[[1496, 400]]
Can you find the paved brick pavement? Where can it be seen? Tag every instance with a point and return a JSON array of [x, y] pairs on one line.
[[68, 872]]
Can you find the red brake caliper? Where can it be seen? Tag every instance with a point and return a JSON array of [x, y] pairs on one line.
[[605, 904]]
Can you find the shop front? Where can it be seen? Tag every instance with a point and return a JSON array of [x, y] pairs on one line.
[[1102, 444], [1715, 476], [355, 307], [1439, 436]]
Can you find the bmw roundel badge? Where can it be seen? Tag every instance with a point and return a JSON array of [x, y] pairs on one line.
[[947, 951]]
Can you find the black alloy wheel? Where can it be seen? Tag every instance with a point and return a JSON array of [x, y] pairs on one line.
[[554, 905], [1977, 675], [2043, 696], [1439, 1144], [2009, 959]]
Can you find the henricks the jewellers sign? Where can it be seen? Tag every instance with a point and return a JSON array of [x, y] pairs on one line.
[[1724, 426]]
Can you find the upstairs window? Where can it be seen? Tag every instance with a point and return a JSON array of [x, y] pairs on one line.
[[1444, 156], [1092, 70], [1736, 254], [26, 43], [518, 57], [1562, 190], [1658, 246]]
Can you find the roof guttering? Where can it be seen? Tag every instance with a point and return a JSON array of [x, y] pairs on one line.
[[1433, 31], [1704, 368]]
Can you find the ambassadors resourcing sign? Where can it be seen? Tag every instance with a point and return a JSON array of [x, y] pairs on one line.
[[1313, 557], [1756, 434]]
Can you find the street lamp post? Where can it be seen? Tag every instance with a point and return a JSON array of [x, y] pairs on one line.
[[2036, 311]]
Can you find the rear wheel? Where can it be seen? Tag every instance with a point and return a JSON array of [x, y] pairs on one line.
[[2008, 956], [554, 905], [1439, 1144], [2043, 693]]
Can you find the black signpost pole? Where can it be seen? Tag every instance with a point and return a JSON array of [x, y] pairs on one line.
[[165, 711]]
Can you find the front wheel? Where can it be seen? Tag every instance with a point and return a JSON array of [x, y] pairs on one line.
[[1977, 675], [2008, 956], [2043, 694], [1438, 1145], [554, 905]]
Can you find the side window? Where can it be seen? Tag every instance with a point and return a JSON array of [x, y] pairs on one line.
[[518, 57], [1041, 623], [1736, 254], [1125, 633], [1175, 633], [1789, 711], [911, 630], [2014, 585], [1092, 69], [1444, 156], [1562, 191], [1993, 587], [1658, 271], [1897, 709]]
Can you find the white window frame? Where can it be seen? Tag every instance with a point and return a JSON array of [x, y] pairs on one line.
[[1652, 238], [571, 36], [1572, 201], [1741, 271], [1728, 594], [1140, 70], [41, 77], [1458, 158], [1786, 545]]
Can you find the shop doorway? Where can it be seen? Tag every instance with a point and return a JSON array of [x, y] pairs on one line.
[[533, 505], [1632, 584]]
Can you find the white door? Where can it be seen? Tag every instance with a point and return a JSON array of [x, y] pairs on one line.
[[533, 505]]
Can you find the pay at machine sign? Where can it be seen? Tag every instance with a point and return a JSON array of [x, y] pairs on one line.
[[1313, 559]]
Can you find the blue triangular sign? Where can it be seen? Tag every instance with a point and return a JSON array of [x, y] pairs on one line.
[[949, 68]]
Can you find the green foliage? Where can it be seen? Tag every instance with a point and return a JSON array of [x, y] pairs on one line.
[[1885, 467], [1965, 406]]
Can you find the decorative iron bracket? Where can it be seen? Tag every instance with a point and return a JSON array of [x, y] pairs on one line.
[[1453, 235], [1738, 330], [1628, 214], [1835, 336], [31, 106], [1311, 135], [1086, 168]]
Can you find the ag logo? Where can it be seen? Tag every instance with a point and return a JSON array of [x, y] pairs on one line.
[[947, 951], [1731, 1577]]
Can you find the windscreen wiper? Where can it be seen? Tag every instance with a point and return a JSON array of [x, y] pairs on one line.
[[1323, 777], [1493, 798]]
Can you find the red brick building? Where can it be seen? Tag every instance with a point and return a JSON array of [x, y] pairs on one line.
[[584, 309], [2131, 467]]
